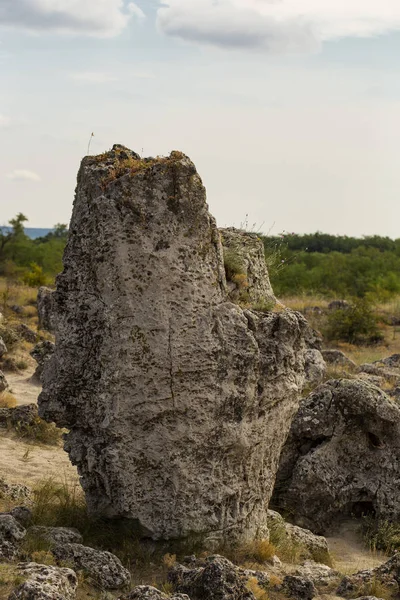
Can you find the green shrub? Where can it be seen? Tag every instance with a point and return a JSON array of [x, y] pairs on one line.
[[356, 324], [382, 535], [35, 277]]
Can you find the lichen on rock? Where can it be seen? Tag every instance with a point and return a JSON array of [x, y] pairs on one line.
[[177, 401]]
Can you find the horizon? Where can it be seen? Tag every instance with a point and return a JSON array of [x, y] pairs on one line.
[[289, 110]]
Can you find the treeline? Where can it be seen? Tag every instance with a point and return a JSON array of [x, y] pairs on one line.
[[331, 265], [34, 262]]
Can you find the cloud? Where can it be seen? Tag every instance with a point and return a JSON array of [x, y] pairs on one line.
[[92, 77], [276, 25], [4, 121], [23, 175], [103, 18]]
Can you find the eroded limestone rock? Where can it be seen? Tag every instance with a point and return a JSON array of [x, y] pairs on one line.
[[177, 401], [45, 583], [45, 309], [342, 456], [245, 267]]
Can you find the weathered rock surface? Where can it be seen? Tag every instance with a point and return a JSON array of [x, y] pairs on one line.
[[315, 367], [26, 333], [10, 529], [177, 400], [147, 592], [45, 583], [218, 579], [105, 568], [322, 576], [387, 574], [45, 309], [56, 535], [42, 352], [24, 414], [342, 456], [22, 514], [311, 545], [299, 587], [15, 491], [338, 358], [247, 273]]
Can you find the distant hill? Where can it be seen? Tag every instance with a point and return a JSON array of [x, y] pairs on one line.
[[32, 232]]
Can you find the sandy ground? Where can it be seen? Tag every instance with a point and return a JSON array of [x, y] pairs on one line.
[[24, 391], [28, 463], [349, 553]]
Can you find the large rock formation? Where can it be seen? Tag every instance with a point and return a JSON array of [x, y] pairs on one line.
[[178, 402], [342, 456], [45, 309]]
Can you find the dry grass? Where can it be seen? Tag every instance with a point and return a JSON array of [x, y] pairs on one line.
[[254, 587], [7, 400]]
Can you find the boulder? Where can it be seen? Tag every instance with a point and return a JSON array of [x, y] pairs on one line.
[[177, 401], [14, 491], [299, 587], [56, 535], [337, 358], [315, 367], [379, 370], [147, 592], [45, 583], [218, 579], [3, 347], [22, 514], [10, 529], [322, 576], [45, 309], [25, 414], [342, 456], [360, 583], [245, 268], [42, 352], [105, 568], [312, 546], [3, 382]]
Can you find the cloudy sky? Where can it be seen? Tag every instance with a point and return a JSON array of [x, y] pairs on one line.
[[289, 108]]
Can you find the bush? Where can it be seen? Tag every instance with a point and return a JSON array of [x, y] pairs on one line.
[[7, 400], [233, 265], [382, 535], [355, 324], [35, 277], [39, 431]]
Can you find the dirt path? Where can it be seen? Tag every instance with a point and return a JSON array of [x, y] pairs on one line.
[[24, 391], [348, 551]]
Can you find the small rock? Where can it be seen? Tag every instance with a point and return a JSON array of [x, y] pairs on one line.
[[104, 567], [147, 592], [338, 305], [392, 361], [387, 574], [14, 491], [17, 309], [10, 529], [338, 358], [26, 414], [56, 535], [219, 579], [45, 583], [320, 575], [22, 514], [299, 587], [8, 551]]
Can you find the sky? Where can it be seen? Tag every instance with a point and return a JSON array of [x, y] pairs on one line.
[[290, 109]]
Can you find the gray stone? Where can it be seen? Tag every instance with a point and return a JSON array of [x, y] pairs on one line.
[[45, 307], [219, 579], [299, 587], [105, 568], [389, 374], [342, 456], [321, 575], [338, 305], [22, 514], [10, 529], [337, 358], [147, 592], [14, 491], [42, 353], [25, 414], [45, 583], [312, 546], [177, 401], [56, 535], [251, 281], [3, 347], [315, 367], [26, 333]]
